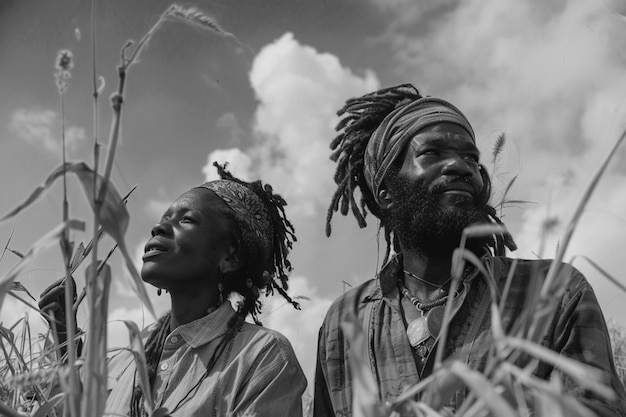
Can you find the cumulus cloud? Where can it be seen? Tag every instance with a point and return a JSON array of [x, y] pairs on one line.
[[239, 164], [40, 128], [299, 90]]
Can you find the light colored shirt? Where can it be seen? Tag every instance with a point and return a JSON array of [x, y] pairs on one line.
[[257, 374]]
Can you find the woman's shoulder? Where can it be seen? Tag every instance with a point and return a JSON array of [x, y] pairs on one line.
[[262, 339]]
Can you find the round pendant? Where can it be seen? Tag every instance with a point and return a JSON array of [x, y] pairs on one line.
[[434, 318], [418, 331]]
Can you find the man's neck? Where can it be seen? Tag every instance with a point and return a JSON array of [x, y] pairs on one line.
[[432, 272]]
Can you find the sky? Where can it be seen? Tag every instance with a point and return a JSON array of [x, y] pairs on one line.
[[549, 75]]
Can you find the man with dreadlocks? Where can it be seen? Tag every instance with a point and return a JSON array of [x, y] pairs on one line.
[[416, 164], [223, 238]]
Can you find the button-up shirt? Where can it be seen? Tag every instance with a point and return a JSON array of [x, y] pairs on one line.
[[256, 374], [577, 330]]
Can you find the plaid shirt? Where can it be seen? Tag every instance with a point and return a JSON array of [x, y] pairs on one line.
[[577, 330]]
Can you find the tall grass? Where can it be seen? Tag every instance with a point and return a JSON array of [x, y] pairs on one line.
[[35, 381]]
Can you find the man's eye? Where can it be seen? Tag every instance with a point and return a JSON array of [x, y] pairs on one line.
[[471, 158], [187, 219]]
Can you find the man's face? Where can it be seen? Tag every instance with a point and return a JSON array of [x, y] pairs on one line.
[[438, 190]]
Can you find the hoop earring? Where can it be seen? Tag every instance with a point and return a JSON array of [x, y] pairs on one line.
[[159, 292]]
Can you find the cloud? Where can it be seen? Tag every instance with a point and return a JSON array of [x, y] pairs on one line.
[[238, 164], [40, 128], [300, 327], [299, 90]]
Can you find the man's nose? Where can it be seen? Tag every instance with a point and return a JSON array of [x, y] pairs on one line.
[[456, 165]]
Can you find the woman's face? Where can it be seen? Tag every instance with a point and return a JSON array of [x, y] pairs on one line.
[[190, 245]]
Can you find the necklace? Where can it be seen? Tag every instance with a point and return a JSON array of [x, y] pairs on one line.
[[428, 282], [429, 324], [422, 307]]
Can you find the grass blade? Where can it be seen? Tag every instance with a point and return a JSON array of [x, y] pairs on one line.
[[46, 241], [483, 388], [364, 388], [136, 347]]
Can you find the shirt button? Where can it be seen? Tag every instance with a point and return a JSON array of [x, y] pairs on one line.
[[174, 339], [164, 366]]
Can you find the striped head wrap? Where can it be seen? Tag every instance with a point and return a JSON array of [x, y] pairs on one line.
[[249, 206], [397, 129]]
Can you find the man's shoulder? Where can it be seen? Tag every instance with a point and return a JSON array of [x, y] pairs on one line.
[[352, 300], [355, 295], [537, 268]]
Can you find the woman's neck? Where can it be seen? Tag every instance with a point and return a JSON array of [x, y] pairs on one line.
[[188, 307]]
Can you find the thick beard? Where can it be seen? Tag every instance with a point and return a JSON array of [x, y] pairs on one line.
[[422, 225]]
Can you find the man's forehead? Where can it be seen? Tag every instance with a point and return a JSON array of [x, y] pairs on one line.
[[443, 138]]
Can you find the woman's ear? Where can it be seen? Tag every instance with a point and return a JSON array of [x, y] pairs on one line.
[[231, 262]]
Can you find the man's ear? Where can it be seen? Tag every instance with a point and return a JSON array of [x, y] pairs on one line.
[[384, 198], [231, 262]]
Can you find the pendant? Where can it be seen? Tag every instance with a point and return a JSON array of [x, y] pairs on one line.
[[418, 331], [434, 320]]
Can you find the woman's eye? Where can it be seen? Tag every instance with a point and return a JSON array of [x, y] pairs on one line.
[[187, 219]]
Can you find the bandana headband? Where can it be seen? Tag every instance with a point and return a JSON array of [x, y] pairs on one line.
[[400, 126], [249, 206]]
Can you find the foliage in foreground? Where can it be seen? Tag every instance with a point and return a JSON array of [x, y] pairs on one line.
[[37, 382]]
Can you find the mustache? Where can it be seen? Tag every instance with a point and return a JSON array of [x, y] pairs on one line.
[[447, 184]]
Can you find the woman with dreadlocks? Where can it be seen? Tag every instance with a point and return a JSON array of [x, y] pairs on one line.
[[223, 239], [415, 163]]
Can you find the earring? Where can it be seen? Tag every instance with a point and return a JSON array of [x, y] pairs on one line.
[[220, 288], [159, 292]]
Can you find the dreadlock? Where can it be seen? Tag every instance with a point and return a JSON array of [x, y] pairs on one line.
[[360, 117], [262, 271]]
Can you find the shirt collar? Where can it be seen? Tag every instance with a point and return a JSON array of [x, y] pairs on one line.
[[205, 329], [387, 280], [388, 276]]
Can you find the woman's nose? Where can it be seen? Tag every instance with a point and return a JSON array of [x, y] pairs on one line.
[[163, 228]]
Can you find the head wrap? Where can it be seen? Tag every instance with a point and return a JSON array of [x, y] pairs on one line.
[[390, 138], [249, 206]]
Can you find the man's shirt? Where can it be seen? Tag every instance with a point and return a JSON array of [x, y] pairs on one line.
[[576, 329]]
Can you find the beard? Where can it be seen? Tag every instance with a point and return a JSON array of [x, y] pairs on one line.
[[423, 225]]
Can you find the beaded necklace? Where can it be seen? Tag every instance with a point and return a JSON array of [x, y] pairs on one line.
[[429, 324]]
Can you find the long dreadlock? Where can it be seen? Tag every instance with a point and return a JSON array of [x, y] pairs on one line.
[[269, 273], [259, 271], [360, 117]]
